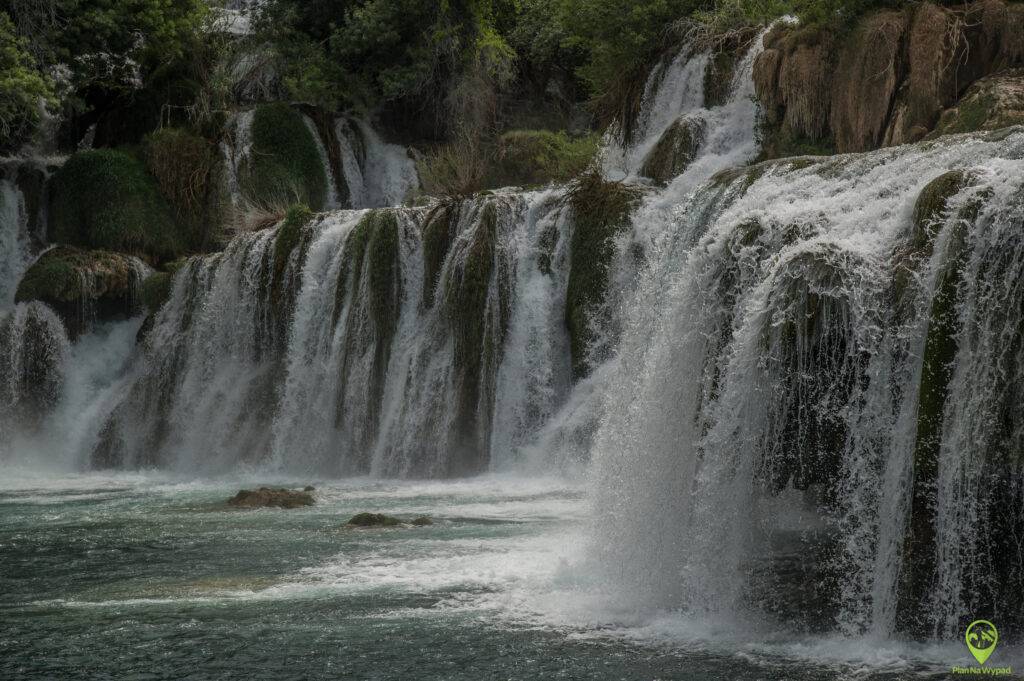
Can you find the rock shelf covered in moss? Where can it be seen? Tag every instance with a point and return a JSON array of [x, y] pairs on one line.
[[84, 286]]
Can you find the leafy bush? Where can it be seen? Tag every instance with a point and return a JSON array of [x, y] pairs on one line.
[[22, 88], [105, 199]]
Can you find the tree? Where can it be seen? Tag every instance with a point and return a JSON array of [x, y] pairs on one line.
[[24, 91]]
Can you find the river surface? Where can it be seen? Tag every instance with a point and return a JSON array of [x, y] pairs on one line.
[[148, 577]]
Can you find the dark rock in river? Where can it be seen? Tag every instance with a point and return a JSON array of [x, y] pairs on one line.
[[268, 497], [373, 520], [422, 521]]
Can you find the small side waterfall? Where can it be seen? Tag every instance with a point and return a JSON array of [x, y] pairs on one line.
[[378, 174], [14, 240]]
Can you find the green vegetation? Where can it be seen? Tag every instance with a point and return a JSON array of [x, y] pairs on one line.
[[185, 167], [106, 51], [285, 166], [105, 199], [601, 212], [22, 87], [538, 157], [64, 275]]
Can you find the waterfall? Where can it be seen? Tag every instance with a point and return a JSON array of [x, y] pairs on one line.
[[382, 344], [14, 240], [236, 149], [378, 174], [331, 202], [795, 383], [771, 370]]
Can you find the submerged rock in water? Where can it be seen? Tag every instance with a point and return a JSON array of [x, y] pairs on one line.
[[373, 520], [268, 497], [422, 521]]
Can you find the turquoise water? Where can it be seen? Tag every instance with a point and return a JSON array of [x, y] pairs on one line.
[[147, 578]]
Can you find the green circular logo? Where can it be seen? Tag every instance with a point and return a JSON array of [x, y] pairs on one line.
[[981, 638]]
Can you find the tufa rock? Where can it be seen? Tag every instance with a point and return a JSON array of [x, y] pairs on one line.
[[84, 286], [373, 520], [269, 497], [991, 103], [675, 150]]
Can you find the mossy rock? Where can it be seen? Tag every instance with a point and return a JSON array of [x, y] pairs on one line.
[[373, 520], [156, 288], [187, 168], [105, 199], [938, 363], [601, 212], [284, 166], [439, 231], [539, 157], [991, 103], [676, 149], [718, 77], [269, 497], [83, 286]]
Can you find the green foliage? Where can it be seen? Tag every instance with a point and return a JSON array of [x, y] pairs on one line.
[[359, 52], [185, 167], [289, 235], [110, 44], [22, 88], [536, 157], [105, 199], [617, 37], [285, 166]]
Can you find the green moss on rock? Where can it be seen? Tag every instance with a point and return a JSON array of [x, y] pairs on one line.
[[83, 285], [936, 373], [439, 231], [676, 149], [156, 289], [105, 199], [601, 210], [285, 166], [990, 103]]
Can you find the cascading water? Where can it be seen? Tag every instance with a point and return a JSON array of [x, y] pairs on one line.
[[378, 174], [381, 345], [771, 369], [801, 382], [14, 240]]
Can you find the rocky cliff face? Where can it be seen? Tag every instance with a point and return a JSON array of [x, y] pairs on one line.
[[889, 79]]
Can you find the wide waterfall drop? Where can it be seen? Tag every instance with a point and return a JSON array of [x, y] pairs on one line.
[[695, 408]]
